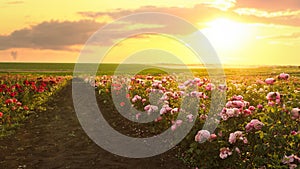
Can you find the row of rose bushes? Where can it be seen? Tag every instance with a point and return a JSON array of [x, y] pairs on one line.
[[258, 127], [22, 95]]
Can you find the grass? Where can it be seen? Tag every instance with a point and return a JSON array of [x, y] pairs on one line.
[[109, 69]]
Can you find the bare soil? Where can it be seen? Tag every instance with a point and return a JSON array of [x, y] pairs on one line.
[[55, 139]]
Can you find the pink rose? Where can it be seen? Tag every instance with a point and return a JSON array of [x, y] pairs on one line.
[[270, 81], [202, 136], [225, 152], [209, 86], [190, 118], [254, 124], [294, 133], [173, 127], [176, 124], [233, 137], [273, 97], [283, 76], [295, 113], [288, 159], [137, 116], [212, 137], [238, 150], [251, 108], [247, 112], [259, 106]]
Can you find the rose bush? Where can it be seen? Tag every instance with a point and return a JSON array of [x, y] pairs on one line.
[[258, 126], [22, 95]]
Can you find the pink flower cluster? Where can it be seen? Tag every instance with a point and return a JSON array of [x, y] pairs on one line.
[[176, 124], [254, 124], [270, 81], [136, 98], [198, 94], [190, 117], [225, 152], [273, 97], [204, 135], [235, 107], [291, 160], [196, 82], [295, 132], [165, 108], [150, 109], [238, 135], [283, 76], [210, 87], [295, 113]]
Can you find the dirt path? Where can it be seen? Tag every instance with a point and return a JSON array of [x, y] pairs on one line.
[[55, 139]]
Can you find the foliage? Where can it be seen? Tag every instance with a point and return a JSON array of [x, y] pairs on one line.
[[21, 96], [258, 126]]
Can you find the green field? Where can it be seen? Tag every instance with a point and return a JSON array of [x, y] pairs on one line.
[[109, 69]]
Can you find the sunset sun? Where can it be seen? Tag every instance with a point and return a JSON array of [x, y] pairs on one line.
[[226, 33]]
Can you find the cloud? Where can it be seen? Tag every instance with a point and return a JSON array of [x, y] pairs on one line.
[[283, 17], [193, 14], [295, 35], [61, 35], [269, 5], [240, 10], [50, 35], [223, 5], [56, 35], [266, 14]]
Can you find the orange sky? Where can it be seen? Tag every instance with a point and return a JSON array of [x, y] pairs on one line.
[[241, 31]]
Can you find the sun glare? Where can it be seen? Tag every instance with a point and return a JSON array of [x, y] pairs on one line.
[[225, 33]]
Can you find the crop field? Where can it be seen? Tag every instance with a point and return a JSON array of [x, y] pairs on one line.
[[257, 126]]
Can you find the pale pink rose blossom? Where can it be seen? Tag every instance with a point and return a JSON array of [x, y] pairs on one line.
[[238, 150], [254, 124], [158, 119], [273, 97], [295, 112], [202, 135], [178, 122], [173, 127], [190, 118], [237, 135], [292, 166], [270, 81], [175, 110], [225, 152], [150, 109], [137, 116], [288, 159]]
